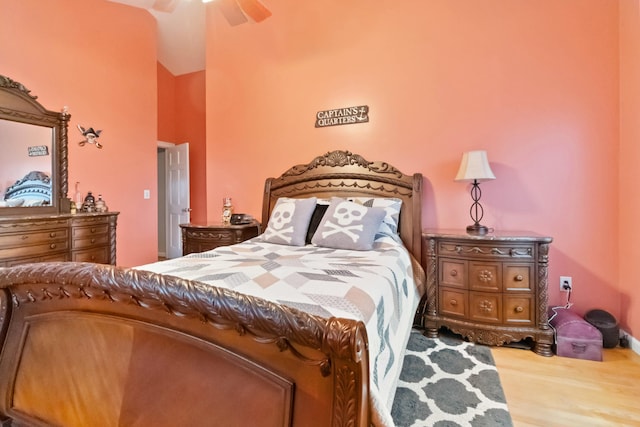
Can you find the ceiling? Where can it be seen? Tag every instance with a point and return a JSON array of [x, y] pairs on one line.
[[181, 32]]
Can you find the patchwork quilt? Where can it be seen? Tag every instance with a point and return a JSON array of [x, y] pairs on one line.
[[374, 286]]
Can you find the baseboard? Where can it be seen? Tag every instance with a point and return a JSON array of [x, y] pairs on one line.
[[162, 254], [634, 344]]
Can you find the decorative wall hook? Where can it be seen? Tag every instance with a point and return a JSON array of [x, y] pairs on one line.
[[91, 136]]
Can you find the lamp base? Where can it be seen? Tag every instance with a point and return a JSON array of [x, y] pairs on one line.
[[477, 229]]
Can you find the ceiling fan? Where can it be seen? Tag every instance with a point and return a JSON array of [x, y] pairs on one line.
[[235, 11]]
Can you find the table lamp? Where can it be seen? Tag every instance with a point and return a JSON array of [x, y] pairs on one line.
[[475, 168]]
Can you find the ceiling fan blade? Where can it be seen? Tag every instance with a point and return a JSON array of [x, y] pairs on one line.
[[231, 11], [256, 10], [164, 5]]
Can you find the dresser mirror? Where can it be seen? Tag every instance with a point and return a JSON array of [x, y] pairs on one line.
[[33, 164]]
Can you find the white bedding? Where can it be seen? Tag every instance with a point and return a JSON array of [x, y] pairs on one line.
[[374, 286]]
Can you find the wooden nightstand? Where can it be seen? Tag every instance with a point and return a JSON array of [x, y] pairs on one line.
[[490, 289], [204, 237]]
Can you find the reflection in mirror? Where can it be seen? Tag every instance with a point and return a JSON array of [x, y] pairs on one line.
[[25, 167], [33, 159]]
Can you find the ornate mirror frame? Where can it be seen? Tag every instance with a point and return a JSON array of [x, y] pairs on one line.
[[18, 105]]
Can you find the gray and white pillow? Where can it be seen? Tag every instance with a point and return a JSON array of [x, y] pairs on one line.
[[348, 225], [289, 221], [391, 206]]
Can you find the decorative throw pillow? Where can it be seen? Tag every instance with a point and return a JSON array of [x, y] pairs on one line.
[[348, 225], [289, 221], [391, 206], [318, 213]]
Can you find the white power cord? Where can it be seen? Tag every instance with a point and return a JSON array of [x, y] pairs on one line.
[[555, 313]]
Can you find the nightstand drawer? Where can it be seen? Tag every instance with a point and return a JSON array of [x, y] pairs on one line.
[[485, 276], [453, 302], [518, 310], [454, 273], [517, 277], [486, 249], [485, 307]]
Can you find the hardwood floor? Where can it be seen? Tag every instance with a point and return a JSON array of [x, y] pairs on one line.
[[561, 391]]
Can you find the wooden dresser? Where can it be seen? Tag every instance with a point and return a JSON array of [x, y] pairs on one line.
[[204, 237], [490, 289], [87, 237]]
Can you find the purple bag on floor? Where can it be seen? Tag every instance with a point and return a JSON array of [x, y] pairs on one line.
[[575, 337]]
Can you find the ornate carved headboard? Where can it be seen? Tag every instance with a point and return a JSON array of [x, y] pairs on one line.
[[344, 174]]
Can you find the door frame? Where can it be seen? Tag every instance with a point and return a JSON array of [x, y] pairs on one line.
[[162, 187]]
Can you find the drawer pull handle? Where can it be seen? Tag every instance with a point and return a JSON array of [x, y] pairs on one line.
[[52, 234], [93, 230], [93, 240], [52, 246], [453, 303], [519, 278], [24, 237], [578, 348], [453, 273], [519, 309]]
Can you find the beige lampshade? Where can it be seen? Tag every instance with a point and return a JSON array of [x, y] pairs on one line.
[[474, 166]]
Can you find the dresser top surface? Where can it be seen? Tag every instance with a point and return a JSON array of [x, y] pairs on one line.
[[496, 235], [45, 217]]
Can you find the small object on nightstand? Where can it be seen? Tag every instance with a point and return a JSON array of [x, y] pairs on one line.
[[475, 168], [227, 210]]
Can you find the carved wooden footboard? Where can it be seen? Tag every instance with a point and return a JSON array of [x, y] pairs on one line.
[[86, 344]]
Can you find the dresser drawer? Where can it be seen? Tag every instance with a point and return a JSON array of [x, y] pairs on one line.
[[453, 302], [82, 232], [90, 241], [42, 249], [32, 237], [97, 255], [59, 257]]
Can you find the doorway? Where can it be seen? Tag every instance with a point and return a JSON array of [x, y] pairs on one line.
[[173, 197]]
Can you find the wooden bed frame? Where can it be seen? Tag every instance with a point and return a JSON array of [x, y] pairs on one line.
[[86, 344]]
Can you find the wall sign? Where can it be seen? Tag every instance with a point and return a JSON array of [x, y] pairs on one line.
[[342, 116], [38, 150]]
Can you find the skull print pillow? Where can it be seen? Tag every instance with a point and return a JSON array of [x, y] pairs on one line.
[[289, 221], [348, 225]]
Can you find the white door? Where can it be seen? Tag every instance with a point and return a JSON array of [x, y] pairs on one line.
[[177, 193]]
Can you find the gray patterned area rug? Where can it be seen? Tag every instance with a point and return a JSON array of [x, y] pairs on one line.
[[448, 382]]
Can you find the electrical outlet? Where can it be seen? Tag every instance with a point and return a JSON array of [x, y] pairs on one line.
[[566, 284]]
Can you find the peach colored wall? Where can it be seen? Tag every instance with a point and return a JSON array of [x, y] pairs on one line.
[[191, 118], [629, 156], [99, 59], [535, 83], [166, 105], [181, 118]]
